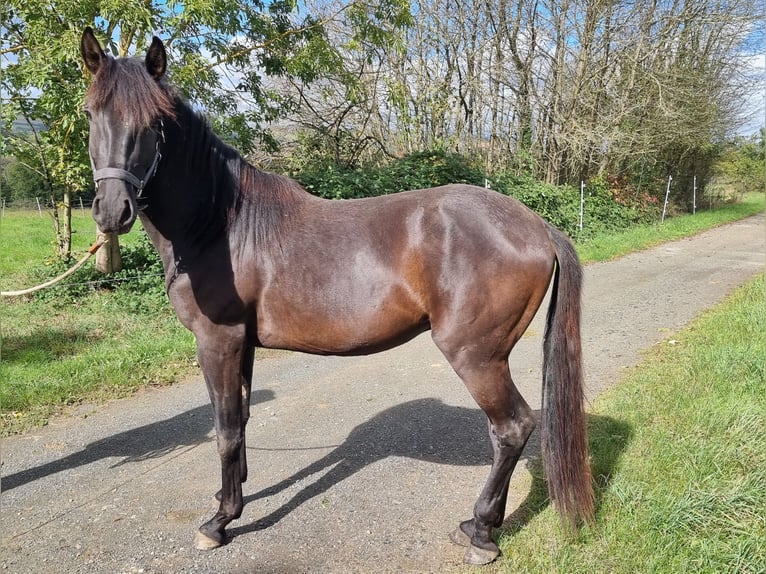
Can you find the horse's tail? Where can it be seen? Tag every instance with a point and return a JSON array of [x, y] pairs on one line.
[[564, 433]]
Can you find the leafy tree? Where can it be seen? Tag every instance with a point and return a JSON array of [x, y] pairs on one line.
[[565, 90], [740, 162], [20, 181]]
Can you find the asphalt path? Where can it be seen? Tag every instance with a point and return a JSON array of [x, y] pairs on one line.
[[356, 464]]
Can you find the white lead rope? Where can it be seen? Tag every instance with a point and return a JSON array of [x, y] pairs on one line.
[[93, 248]]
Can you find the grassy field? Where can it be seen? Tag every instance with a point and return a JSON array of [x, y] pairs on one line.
[[79, 343], [28, 241], [679, 456]]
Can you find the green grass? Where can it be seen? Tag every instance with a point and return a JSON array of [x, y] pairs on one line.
[[63, 348], [54, 356], [679, 454], [607, 246], [28, 241]]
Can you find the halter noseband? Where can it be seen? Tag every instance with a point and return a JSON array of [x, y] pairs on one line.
[[125, 175]]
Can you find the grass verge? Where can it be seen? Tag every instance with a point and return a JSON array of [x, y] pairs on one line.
[[78, 342], [679, 456], [607, 246], [104, 347]]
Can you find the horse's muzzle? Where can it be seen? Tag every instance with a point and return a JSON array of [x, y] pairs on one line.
[[115, 208]]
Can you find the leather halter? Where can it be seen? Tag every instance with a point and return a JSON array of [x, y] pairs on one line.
[[125, 175]]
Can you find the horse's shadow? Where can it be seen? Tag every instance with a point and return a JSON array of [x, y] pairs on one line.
[[154, 440], [424, 429], [431, 431]]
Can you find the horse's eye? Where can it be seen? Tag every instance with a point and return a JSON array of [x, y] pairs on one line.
[[86, 111]]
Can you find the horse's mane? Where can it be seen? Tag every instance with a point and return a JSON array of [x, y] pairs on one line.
[[127, 86], [249, 203], [266, 199]]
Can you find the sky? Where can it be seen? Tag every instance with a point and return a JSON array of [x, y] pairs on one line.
[[755, 114]]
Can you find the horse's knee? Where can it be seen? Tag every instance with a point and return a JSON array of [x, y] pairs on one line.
[[230, 446]]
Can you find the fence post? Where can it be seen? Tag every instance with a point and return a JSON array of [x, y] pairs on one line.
[[582, 201], [39, 209], [694, 195], [667, 194]]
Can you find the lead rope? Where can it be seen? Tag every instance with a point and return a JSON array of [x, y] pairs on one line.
[[91, 251]]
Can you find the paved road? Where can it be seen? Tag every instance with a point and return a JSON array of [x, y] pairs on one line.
[[357, 464]]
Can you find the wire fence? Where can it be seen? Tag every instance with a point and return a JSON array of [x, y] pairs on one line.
[[716, 191], [107, 280], [100, 282], [42, 205]]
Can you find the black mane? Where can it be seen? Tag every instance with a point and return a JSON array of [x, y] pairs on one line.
[[249, 203]]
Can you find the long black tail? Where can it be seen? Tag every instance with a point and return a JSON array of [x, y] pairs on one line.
[[564, 432]]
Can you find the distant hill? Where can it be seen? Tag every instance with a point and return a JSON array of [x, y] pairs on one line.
[[20, 125]]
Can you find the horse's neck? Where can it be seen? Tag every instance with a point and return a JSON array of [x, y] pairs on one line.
[[208, 195], [195, 185], [163, 246]]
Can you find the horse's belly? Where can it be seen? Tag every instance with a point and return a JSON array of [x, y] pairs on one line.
[[314, 331]]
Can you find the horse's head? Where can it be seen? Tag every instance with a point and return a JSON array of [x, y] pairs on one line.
[[125, 106]]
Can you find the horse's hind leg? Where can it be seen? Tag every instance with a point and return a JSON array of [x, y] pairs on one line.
[[511, 422]]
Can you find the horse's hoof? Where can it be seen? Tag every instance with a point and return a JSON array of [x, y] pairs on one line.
[[476, 556], [460, 538], [204, 542]]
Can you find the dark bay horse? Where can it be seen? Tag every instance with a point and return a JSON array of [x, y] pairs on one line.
[[252, 260]]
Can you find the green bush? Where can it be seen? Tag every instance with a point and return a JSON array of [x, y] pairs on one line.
[[608, 205], [20, 182], [416, 171], [559, 205]]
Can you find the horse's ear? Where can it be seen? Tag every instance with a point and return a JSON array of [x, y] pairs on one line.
[[91, 51], [156, 59]]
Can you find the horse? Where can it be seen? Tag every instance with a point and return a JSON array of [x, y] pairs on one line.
[[252, 260]]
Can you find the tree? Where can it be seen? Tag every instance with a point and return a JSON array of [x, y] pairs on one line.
[[740, 162], [337, 108], [20, 181], [45, 83], [565, 90]]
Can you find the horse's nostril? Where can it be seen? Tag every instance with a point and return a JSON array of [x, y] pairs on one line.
[[127, 213]]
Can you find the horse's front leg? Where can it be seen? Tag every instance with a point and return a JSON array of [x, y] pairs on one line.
[[248, 356], [220, 358]]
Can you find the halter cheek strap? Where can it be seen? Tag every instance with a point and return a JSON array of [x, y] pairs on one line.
[[125, 175]]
